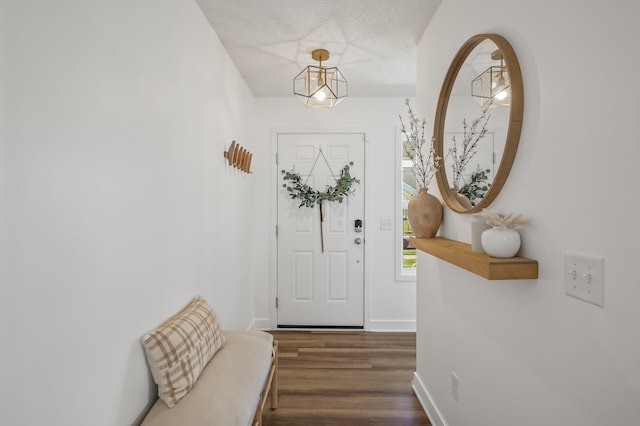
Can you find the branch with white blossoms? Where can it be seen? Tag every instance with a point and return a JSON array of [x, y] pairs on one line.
[[470, 138], [504, 221], [424, 165]]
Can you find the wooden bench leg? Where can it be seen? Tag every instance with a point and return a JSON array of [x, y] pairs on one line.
[[271, 385], [274, 382], [258, 416]]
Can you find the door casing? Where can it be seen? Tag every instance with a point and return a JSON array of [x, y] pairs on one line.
[[273, 221]]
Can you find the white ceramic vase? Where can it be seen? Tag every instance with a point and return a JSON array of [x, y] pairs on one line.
[[501, 242]]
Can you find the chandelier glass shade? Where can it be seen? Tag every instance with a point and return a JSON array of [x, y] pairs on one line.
[[492, 87], [318, 86]]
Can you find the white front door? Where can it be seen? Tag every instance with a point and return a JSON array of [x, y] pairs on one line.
[[316, 287]]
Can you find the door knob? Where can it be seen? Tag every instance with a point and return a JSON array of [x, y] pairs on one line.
[[358, 240]]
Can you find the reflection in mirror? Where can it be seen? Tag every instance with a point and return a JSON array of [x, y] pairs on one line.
[[475, 122], [473, 125], [491, 88]]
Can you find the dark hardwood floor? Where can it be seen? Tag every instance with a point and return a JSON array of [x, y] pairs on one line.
[[346, 378]]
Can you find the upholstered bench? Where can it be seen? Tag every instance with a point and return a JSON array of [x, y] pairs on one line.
[[230, 389]]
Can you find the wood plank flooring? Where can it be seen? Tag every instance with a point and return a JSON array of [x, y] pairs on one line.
[[346, 378]]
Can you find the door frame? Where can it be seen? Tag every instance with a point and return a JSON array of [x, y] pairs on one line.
[[273, 216]]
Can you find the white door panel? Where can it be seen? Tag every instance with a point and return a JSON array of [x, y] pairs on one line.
[[317, 288]]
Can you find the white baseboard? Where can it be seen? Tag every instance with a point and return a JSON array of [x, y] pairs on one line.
[[265, 324], [435, 417], [260, 324], [392, 325]]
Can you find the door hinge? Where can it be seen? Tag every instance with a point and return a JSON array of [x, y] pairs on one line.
[[276, 231], [276, 303], [277, 159]]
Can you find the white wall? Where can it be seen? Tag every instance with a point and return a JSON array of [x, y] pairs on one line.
[[525, 353], [117, 206], [390, 305]]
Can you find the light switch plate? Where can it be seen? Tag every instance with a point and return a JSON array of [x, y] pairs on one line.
[[386, 224], [584, 277]]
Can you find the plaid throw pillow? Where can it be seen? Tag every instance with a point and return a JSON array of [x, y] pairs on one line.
[[179, 349]]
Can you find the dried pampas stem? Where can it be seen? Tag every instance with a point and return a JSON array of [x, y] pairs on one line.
[[499, 221]]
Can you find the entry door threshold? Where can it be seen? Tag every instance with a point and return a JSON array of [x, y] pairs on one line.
[[322, 327]]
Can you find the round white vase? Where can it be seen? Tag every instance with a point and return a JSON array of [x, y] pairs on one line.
[[501, 242]]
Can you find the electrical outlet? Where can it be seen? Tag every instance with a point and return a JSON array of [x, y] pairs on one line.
[[386, 224], [455, 384], [584, 278]]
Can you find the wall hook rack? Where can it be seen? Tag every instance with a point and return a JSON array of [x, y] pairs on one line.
[[239, 157]]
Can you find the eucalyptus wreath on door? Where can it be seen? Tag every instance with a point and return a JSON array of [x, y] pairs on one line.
[[309, 196]]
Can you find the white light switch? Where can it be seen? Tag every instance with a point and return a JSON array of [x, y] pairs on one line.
[[584, 277], [386, 224]]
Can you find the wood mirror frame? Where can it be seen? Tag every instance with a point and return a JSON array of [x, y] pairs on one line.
[[514, 122]]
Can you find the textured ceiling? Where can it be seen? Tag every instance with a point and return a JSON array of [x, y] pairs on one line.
[[373, 42]]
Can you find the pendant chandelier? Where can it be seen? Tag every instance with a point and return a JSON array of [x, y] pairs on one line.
[[318, 86], [491, 88]]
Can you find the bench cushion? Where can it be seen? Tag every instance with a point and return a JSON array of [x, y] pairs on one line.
[[228, 390], [180, 348]]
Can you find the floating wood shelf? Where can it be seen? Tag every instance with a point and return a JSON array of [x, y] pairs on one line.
[[491, 268]]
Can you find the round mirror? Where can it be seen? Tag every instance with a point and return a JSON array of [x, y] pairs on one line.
[[478, 122]]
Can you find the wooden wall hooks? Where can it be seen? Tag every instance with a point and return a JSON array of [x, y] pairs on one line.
[[239, 157]]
